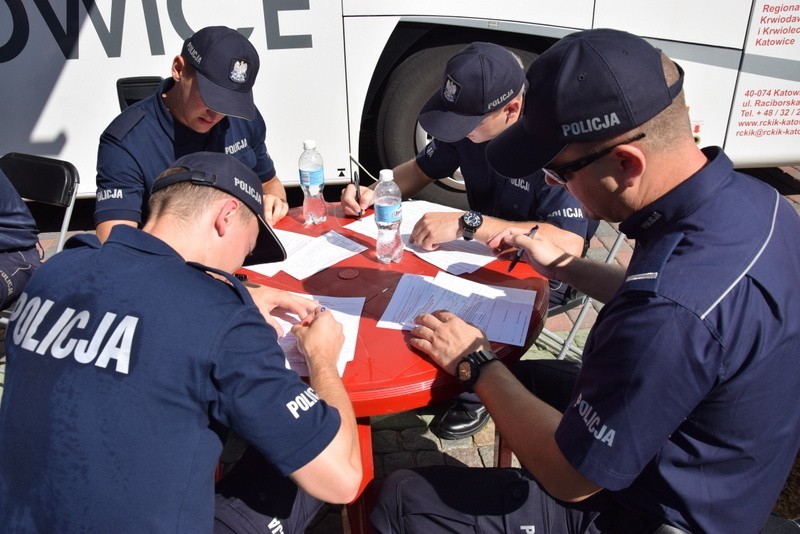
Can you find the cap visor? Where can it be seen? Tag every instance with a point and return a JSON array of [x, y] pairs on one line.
[[268, 249], [226, 101], [516, 154], [446, 126]]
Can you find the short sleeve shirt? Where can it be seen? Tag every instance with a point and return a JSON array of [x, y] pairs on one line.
[[121, 358], [144, 140], [685, 404], [522, 199]]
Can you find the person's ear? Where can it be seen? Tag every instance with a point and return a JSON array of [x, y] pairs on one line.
[[178, 68], [225, 216], [632, 164], [513, 110]]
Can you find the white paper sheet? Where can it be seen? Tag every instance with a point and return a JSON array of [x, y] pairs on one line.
[[502, 313], [320, 253], [455, 257], [292, 242], [346, 310]]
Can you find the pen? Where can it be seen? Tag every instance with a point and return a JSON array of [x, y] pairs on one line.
[[357, 183], [521, 251]]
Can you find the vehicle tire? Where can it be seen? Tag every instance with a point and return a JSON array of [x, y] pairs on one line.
[[398, 134]]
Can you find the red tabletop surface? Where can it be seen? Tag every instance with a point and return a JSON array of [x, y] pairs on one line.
[[386, 375]]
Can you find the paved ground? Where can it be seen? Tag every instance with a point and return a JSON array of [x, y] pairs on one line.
[[402, 440]]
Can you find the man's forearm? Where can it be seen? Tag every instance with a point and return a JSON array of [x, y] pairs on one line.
[[596, 279], [569, 241], [325, 380], [528, 425], [410, 178], [274, 187]]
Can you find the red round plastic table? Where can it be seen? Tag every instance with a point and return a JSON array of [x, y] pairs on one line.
[[386, 375]]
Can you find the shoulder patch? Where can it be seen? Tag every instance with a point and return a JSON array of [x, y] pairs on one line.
[[645, 275], [233, 282], [124, 123], [82, 240]]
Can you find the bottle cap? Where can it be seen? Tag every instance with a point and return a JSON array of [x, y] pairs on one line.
[[308, 144], [386, 175]]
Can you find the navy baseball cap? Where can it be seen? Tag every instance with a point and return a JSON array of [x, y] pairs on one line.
[[589, 86], [477, 80], [227, 65], [226, 173]]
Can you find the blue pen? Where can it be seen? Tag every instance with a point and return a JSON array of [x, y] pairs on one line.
[[521, 251]]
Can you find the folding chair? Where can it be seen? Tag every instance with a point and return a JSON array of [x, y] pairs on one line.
[[46, 180], [131, 90], [567, 344]]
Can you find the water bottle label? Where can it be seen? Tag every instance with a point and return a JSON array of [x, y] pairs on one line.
[[309, 178], [388, 213]]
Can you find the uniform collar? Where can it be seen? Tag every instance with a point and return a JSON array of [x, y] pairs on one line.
[[137, 239], [681, 201], [164, 116]]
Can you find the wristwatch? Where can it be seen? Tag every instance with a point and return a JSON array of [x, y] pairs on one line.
[[469, 367], [472, 220]]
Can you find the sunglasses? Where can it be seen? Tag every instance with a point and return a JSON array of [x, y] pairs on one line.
[[558, 173]]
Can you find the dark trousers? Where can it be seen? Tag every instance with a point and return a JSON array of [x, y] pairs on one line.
[[452, 499], [255, 499]]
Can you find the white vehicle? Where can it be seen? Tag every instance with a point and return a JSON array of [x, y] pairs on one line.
[[352, 74]]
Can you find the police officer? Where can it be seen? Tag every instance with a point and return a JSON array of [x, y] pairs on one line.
[[19, 255], [125, 359], [682, 415], [481, 96], [207, 105]]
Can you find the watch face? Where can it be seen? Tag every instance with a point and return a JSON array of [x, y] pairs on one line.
[[472, 219], [464, 371]]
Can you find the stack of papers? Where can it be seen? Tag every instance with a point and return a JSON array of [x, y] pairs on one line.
[[502, 313], [346, 310], [455, 257]]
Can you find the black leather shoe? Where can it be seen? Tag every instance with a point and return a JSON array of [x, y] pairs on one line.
[[458, 422]]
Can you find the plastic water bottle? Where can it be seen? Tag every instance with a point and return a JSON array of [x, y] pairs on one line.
[[312, 181], [388, 215]]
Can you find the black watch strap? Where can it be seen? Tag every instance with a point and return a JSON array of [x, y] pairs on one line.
[[474, 360], [471, 221]]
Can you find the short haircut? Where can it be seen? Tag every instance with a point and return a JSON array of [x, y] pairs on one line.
[[186, 200]]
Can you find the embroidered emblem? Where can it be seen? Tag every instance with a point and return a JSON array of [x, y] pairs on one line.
[[452, 89], [239, 71]]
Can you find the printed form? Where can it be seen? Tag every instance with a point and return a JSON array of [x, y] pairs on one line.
[[306, 255], [292, 242], [346, 310], [455, 257], [502, 313]]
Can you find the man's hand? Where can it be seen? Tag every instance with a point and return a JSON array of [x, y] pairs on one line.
[[348, 198], [275, 208], [320, 338], [436, 228], [543, 254], [269, 298], [446, 338]]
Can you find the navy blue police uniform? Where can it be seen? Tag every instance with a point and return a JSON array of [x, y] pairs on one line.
[[108, 421], [522, 199], [19, 236], [674, 409], [145, 139]]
